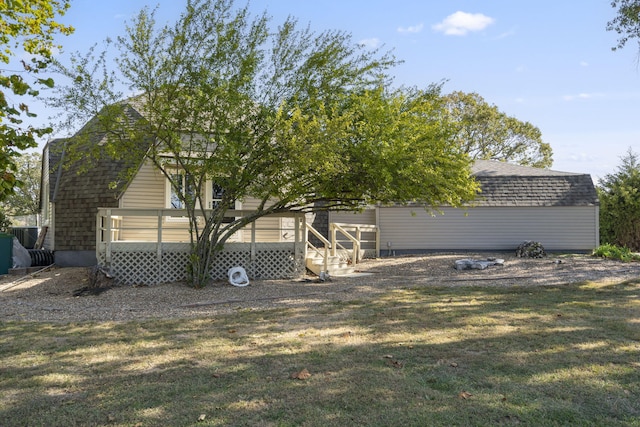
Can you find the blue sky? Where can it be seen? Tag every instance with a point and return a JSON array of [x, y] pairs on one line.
[[546, 62]]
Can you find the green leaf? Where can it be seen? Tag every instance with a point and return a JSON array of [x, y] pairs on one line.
[[47, 82]]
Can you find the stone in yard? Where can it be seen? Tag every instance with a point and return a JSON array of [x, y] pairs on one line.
[[472, 264], [530, 249]]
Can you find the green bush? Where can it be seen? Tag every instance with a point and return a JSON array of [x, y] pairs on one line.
[[619, 195], [616, 252], [5, 222]]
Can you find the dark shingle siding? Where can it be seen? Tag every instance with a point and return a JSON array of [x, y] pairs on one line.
[[77, 202], [79, 195]]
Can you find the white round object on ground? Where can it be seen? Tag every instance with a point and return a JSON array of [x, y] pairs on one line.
[[238, 276]]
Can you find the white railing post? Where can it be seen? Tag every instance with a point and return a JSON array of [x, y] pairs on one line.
[[324, 241], [358, 238], [108, 233], [159, 241], [99, 220], [333, 239], [253, 241], [296, 235]]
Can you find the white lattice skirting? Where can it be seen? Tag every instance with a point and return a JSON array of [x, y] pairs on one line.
[[142, 263]]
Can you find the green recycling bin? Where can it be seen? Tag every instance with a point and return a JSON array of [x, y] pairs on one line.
[[6, 252]]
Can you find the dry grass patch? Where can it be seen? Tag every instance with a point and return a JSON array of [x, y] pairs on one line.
[[557, 355]]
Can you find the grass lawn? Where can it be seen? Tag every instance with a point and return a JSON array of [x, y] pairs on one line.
[[561, 355]]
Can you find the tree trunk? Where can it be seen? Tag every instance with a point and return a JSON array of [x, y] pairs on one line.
[[200, 262]]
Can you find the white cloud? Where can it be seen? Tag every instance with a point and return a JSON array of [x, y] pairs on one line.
[[413, 29], [461, 23], [581, 157], [371, 43], [583, 95], [584, 64]]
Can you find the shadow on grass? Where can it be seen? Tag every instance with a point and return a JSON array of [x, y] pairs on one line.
[[557, 355]]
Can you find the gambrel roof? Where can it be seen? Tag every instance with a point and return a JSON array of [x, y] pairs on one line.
[[77, 193], [505, 184]]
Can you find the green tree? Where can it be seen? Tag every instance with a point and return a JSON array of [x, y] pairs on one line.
[[619, 195], [25, 26], [626, 23], [300, 120], [486, 133], [25, 197], [5, 221]]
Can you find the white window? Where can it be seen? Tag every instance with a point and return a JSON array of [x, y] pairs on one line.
[[181, 189], [184, 188], [216, 193]]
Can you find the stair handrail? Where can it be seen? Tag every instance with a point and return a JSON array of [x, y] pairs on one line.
[[324, 241], [356, 242]]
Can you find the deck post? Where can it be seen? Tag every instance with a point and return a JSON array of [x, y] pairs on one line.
[[108, 233], [253, 241], [99, 225], [305, 236], [159, 242], [296, 236], [358, 238], [333, 240]]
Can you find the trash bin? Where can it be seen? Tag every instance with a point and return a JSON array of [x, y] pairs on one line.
[[6, 252]]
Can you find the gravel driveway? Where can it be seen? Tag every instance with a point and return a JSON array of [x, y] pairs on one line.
[[49, 295]]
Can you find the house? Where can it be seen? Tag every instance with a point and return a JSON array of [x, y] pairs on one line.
[[134, 226], [98, 216], [516, 203]]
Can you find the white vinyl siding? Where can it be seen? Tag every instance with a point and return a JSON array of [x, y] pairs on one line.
[[491, 228], [267, 229], [148, 189]]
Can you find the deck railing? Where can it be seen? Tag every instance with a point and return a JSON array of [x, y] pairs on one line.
[[346, 240], [272, 247], [152, 245]]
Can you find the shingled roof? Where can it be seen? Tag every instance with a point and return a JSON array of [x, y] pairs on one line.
[[505, 184]]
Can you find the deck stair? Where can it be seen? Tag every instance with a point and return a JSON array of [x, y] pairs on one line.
[[337, 265], [336, 257]]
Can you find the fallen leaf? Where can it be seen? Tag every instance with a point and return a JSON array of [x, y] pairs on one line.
[[202, 417], [453, 364], [464, 395], [302, 375], [216, 375], [388, 356], [232, 331]]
